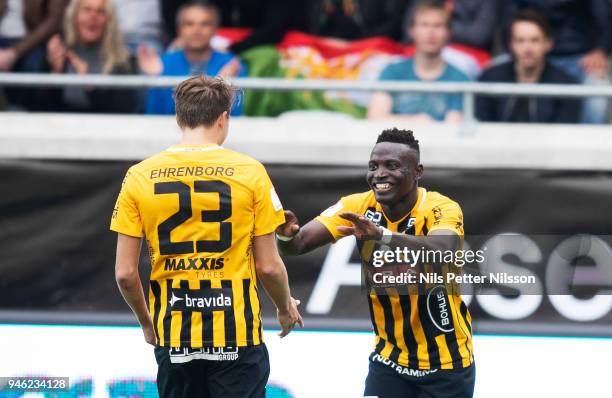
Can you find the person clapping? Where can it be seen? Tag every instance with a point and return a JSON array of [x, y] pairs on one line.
[[90, 44]]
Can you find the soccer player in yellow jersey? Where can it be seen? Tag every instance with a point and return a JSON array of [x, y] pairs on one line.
[[208, 216], [423, 345]]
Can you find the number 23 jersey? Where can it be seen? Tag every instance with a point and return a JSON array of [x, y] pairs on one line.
[[199, 207]]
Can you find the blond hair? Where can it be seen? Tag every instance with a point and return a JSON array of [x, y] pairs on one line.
[[113, 50]]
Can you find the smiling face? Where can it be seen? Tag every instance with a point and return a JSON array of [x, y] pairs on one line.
[[91, 20], [393, 172]]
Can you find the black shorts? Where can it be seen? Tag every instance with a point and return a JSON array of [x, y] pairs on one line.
[[220, 372], [386, 379]]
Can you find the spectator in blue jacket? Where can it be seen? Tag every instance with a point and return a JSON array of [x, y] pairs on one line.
[[197, 24]]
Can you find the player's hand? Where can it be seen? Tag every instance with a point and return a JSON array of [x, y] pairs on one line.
[[149, 333], [291, 225], [289, 318], [362, 228]]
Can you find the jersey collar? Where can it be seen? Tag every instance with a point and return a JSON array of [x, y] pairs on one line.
[[421, 196], [194, 148]]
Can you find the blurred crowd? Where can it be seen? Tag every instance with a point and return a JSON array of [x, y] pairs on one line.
[[530, 41]]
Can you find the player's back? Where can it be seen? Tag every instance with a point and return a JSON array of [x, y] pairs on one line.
[[199, 208]]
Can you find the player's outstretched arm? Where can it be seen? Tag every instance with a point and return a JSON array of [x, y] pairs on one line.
[[273, 275], [294, 240], [128, 280], [364, 229]]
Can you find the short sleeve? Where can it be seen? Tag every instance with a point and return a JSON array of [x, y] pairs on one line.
[[331, 219], [445, 215], [126, 216], [269, 212]]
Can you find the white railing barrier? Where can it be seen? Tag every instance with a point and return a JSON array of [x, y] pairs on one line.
[[467, 89]]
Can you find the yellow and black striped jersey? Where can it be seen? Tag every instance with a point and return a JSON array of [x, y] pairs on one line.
[[199, 207], [402, 321]]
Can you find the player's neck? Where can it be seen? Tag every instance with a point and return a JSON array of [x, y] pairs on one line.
[[201, 136], [399, 210]]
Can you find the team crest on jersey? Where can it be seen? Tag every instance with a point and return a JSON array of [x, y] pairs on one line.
[[437, 213], [374, 216]]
